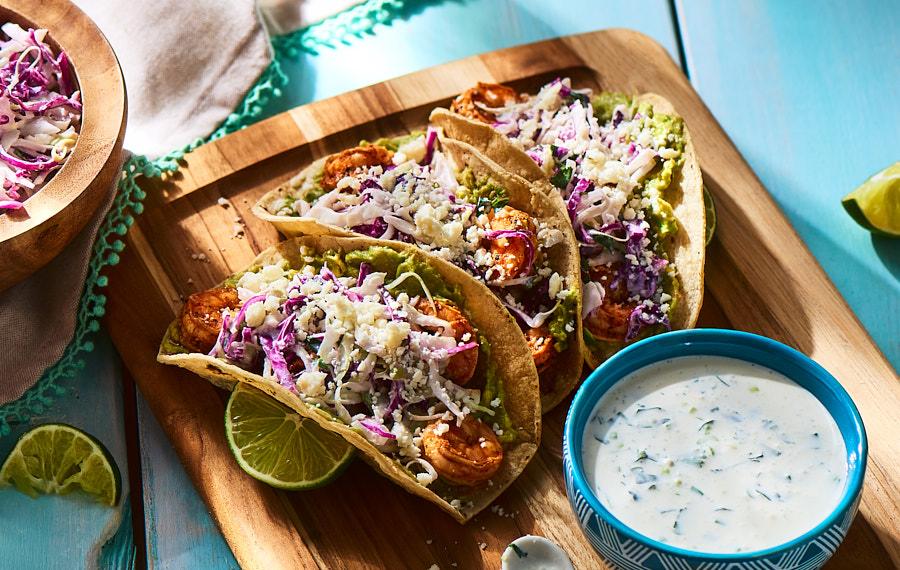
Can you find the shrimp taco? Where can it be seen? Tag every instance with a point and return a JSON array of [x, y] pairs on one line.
[[456, 204], [402, 354], [626, 169]]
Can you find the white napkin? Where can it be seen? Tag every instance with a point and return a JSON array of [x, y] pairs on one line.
[[187, 66], [285, 16]]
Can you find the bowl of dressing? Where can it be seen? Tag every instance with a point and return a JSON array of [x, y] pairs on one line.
[[713, 447]]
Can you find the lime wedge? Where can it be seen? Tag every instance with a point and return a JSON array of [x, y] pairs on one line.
[[710, 208], [280, 447], [58, 459], [875, 205]]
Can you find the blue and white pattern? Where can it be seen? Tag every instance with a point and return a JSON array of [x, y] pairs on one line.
[[624, 553]]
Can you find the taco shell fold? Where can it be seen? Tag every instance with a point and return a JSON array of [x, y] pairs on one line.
[[686, 249], [508, 352]]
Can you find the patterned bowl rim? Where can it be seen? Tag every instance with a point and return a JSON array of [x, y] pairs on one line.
[[736, 344]]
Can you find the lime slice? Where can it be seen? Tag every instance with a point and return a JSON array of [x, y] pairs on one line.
[[58, 459], [710, 208], [875, 205], [280, 447]]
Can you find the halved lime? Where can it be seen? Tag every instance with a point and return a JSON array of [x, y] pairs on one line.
[[58, 459], [280, 447], [875, 205]]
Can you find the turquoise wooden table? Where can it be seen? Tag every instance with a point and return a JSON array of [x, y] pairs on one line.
[[806, 90]]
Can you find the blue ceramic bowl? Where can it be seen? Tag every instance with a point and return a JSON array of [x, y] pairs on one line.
[[622, 547]]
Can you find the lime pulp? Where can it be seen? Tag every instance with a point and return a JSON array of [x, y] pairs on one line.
[[280, 447], [57, 458]]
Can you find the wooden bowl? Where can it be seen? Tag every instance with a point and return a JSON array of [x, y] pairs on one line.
[[51, 218]]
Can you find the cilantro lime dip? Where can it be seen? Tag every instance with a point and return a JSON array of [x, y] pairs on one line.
[[714, 454]]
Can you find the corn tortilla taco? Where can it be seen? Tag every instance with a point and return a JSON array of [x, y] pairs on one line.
[[456, 204], [404, 355], [627, 171]]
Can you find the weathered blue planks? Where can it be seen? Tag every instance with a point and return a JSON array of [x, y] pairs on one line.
[[808, 92], [179, 531], [71, 531]]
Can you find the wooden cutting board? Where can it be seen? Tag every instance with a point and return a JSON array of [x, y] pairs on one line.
[[197, 228]]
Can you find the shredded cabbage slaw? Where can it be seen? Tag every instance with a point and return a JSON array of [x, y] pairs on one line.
[[419, 200], [40, 113]]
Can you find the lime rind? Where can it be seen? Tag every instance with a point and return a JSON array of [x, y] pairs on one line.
[[59, 459], [875, 204], [278, 446], [851, 206]]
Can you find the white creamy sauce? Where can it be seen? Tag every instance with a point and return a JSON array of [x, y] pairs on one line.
[[714, 454], [531, 552]]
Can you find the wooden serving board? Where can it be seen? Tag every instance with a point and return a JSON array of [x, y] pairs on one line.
[[761, 278]]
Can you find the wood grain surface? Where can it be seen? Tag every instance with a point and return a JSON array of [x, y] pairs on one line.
[[761, 278], [51, 218]]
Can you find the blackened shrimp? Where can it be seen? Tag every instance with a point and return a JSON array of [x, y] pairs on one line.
[[609, 322], [460, 366], [473, 102], [511, 256], [201, 317], [465, 454], [541, 344], [352, 161]]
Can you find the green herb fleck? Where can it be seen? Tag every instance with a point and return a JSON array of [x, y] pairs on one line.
[[519, 552], [562, 176]]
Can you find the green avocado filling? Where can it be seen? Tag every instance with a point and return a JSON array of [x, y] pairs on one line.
[[605, 103], [667, 132], [171, 341], [311, 196], [394, 264], [493, 389], [562, 317], [394, 144], [483, 192]]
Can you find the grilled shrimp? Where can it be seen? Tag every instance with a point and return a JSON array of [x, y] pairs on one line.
[[460, 366], [610, 321], [352, 161], [511, 257], [472, 102], [465, 454], [608, 277], [541, 344], [201, 317]]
